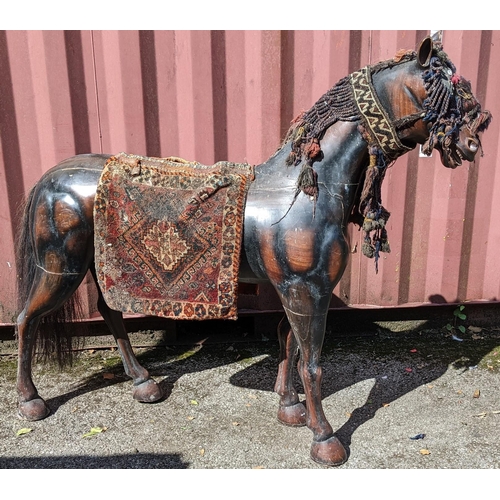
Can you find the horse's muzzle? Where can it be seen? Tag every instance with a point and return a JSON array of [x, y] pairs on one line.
[[464, 148]]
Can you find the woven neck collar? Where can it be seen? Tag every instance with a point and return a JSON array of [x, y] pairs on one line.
[[379, 128]]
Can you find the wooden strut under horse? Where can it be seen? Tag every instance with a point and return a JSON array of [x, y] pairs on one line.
[[327, 173]]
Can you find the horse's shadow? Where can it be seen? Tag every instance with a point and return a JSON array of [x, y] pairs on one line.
[[166, 364], [398, 363]]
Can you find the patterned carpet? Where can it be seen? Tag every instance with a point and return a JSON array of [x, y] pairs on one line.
[[168, 236]]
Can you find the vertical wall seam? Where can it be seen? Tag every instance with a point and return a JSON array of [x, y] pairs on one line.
[[96, 90]]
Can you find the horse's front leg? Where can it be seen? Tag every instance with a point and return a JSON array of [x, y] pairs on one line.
[[291, 411], [306, 307]]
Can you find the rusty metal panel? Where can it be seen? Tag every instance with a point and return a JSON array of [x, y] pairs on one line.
[[230, 95]]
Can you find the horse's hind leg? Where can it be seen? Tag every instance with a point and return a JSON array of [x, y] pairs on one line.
[[30, 405], [146, 390], [48, 293], [291, 411]]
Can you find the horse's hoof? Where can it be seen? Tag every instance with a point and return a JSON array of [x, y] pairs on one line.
[[329, 452], [147, 392], [293, 416], [36, 409]]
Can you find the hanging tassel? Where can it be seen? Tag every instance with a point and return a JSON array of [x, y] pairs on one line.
[[384, 242], [312, 150], [370, 181], [372, 247], [367, 248], [375, 215], [308, 181]]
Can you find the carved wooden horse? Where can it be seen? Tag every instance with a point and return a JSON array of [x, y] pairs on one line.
[[295, 224]]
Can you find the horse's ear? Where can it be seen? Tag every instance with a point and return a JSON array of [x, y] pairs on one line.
[[425, 52]]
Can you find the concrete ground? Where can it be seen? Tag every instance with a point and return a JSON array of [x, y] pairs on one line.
[[419, 399]]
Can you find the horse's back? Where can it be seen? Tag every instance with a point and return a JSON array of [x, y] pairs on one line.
[[84, 168], [88, 160]]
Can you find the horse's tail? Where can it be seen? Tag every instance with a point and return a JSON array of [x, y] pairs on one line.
[[54, 340]]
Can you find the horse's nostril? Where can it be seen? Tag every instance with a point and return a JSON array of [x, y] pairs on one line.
[[473, 146]]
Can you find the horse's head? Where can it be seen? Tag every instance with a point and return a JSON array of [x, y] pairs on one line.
[[452, 117], [415, 98]]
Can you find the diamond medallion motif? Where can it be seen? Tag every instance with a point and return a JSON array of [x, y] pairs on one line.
[[165, 245]]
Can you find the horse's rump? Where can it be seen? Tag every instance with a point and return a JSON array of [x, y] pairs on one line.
[[168, 236], [54, 340]]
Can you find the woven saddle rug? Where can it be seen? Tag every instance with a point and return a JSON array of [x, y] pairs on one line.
[[168, 236]]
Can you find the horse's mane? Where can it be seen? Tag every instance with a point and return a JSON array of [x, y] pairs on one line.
[[337, 104]]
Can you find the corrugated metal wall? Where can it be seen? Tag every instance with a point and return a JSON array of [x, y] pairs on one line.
[[215, 95]]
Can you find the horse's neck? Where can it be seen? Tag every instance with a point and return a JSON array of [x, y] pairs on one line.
[[273, 208], [344, 154], [345, 157]]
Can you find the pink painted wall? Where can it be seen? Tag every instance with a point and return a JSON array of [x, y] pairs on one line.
[[214, 95]]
